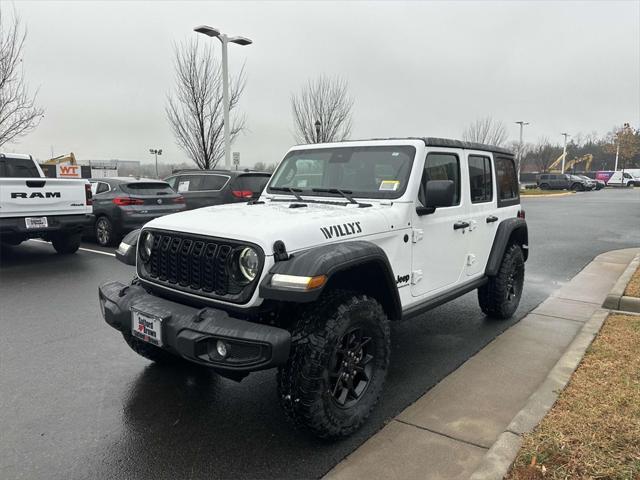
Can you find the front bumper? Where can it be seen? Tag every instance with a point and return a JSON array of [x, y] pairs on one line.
[[193, 333]]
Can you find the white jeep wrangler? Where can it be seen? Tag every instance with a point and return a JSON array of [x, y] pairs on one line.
[[346, 238]]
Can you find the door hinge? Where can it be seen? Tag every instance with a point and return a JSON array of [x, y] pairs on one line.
[[417, 235], [416, 276]]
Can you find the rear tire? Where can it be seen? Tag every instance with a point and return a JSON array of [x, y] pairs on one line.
[[338, 363], [151, 352], [67, 244], [500, 296], [544, 186], [104, 232], [577, 187]]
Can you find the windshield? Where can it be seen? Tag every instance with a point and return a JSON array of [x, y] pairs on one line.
[[369, 172]]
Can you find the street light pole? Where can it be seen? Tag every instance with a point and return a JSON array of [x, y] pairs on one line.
[[224, 39], [564, 150], [522, 124], [156, 152]]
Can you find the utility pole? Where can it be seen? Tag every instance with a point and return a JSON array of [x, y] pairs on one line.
[[564, 150], [522, 124]]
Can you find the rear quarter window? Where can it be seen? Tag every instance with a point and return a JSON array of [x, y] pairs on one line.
[[508, 190], [213, 182]]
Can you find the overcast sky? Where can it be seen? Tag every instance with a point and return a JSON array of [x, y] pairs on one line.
[[417, 68]]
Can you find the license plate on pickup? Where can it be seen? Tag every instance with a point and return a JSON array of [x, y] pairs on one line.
[[36, 222], [146, 327]]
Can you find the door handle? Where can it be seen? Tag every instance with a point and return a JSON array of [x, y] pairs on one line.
[[492, 218], [459, 225]]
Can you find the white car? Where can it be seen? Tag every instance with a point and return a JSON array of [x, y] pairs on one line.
[[33, 206], [346, 238]]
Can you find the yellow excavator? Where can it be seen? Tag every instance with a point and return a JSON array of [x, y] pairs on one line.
[[587, 159], [69, 158]]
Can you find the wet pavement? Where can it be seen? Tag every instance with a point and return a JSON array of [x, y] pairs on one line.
[[76, 403]]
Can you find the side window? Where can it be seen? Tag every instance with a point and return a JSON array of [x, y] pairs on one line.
[[507, 182], [544, 177], [441, 166], [213, 182], [480, 179], [102, 187], [189, 183]]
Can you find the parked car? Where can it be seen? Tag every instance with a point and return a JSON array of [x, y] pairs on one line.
[[309, 277], [203, 188], [33, 206], [596, 184], [582, 183], [122, 204], [559, 181]]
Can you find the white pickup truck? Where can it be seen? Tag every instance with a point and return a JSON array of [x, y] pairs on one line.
[[33, 206]]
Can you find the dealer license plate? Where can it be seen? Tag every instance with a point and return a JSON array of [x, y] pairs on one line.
[[146, 327], [36, 222]]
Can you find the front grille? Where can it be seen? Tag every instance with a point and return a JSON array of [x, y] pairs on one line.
[[195, 264]]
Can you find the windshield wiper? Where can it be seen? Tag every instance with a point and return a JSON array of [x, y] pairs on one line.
[[291, 190], [345, 193]]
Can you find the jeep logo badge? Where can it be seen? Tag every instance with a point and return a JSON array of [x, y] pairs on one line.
[[159, 201]]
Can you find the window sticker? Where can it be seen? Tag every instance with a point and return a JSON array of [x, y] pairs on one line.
[[183, 186], [389, 185]]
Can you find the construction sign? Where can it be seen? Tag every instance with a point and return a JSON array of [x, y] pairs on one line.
[[65, 170]]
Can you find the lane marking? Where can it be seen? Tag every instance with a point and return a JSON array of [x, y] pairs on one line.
[[81, 248]]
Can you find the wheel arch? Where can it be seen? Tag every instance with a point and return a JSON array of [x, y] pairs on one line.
[[510, 231], [359, 266]]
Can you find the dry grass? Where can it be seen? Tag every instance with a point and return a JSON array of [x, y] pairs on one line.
[[593, 430], [537, 191], [633, 288]]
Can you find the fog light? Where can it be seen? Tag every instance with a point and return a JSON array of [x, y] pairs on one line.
[[221, 348]]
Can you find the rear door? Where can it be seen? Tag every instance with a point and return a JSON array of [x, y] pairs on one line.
[[482, 210], [153, 198]]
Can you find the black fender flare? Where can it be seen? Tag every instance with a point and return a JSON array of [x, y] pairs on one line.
[[331, 260], [510, 228]]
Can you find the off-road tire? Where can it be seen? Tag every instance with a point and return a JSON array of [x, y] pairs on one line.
[[66, 244], [304, 383], [104, 232], [577, 187], [151, 352], [500, 296], [544, 186]]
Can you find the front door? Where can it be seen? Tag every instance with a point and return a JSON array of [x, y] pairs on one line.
[[439, 242]]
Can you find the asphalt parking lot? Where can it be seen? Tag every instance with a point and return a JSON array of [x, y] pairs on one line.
[[77, 403]]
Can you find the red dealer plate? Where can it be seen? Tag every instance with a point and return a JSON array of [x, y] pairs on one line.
[[146, 327]]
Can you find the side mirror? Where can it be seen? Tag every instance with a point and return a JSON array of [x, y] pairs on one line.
[[438, 193], [127, 250]]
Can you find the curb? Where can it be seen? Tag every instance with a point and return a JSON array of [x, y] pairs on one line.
[[498, 459], [546, 195], [617, 300]]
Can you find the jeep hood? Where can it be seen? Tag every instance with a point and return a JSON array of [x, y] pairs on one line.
[[299, 227]]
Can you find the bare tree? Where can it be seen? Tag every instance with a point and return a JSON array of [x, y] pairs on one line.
[[18, 112], [486, 130], [195, 108], [543, 154], [323, 103]]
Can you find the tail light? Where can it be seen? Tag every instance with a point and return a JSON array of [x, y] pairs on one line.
[[521, 214], [87, 194], [242, 193], [126, 201], [179, 199]]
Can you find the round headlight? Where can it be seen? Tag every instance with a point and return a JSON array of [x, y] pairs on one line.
[[147, 246], [249, 263]]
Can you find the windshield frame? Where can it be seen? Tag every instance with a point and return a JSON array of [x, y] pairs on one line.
[[410, 149]]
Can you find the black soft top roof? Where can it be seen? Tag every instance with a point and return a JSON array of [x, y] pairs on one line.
[[447, 142]]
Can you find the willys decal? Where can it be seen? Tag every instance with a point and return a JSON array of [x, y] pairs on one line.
[[349, 228]]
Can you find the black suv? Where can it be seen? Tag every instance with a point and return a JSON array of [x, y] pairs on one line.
[[202, 188], [558, 181]]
